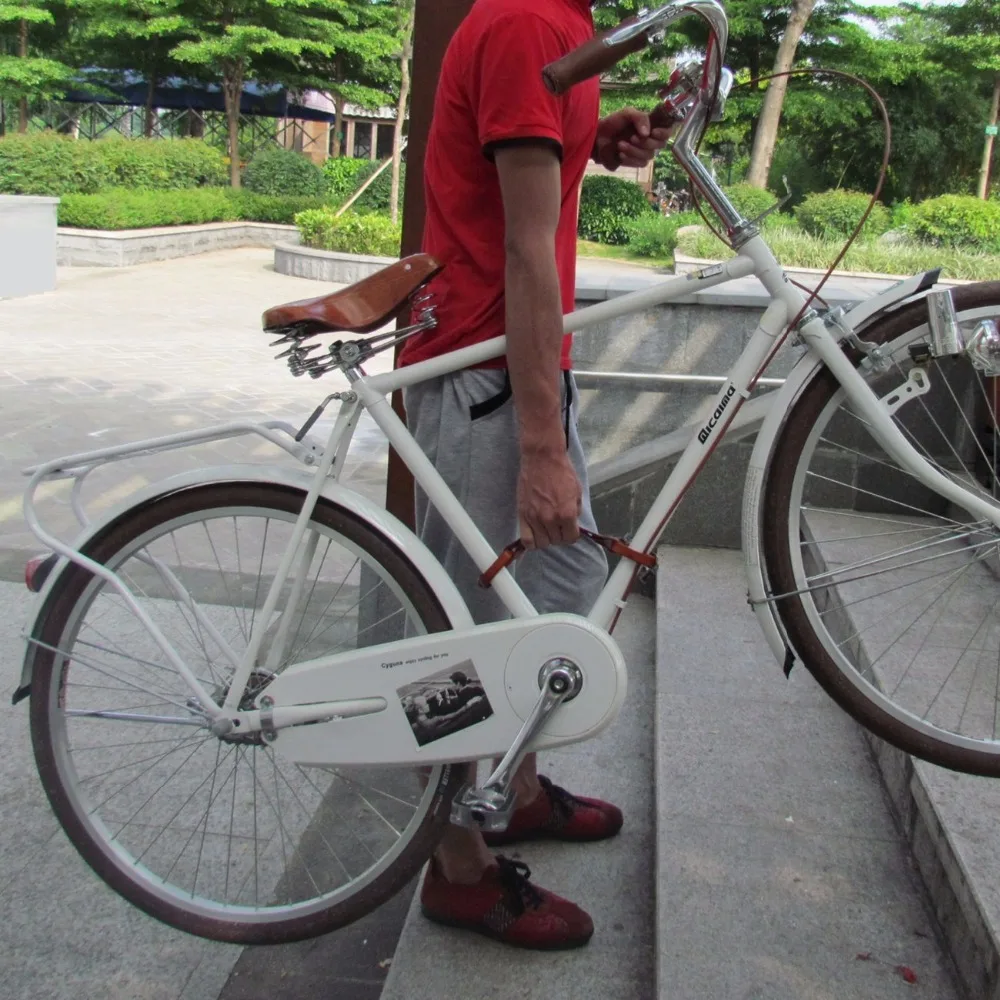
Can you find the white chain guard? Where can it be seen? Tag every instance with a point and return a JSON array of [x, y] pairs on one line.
[[506, 657]]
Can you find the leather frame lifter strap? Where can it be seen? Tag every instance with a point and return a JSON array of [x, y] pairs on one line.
[[616, 546]]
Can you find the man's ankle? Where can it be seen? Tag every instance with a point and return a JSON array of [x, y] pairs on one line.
[[464, 870]]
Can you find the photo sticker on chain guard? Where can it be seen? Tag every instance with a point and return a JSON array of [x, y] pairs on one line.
[[445, 702]]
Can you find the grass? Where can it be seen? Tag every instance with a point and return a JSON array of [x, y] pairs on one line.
[[585, 248], [798, 249]]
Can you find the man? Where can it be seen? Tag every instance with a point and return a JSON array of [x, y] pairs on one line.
[[504, 164]]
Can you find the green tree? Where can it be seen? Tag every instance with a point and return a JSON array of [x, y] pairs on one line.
[[132, 35], [28, 68], [974, 39], [405, 54], [266, 40], [770, 113]]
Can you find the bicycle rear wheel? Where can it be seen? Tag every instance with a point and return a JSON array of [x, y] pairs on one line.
[[888, 592], [220, 837]]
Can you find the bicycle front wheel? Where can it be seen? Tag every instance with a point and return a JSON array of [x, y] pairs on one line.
[[221, 837], [888, 592]]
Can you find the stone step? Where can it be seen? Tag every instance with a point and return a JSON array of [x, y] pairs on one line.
[[778, 859], [612, 880]]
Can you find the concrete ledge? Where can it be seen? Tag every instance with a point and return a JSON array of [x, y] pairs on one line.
[[27, 245], [326, 265], [101, 248]]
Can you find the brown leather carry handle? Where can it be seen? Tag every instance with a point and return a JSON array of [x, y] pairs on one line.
[[588, 60]]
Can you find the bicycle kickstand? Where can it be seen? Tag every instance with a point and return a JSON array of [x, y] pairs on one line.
[[490, 807]]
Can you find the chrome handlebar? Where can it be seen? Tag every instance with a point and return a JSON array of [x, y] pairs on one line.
[[700, 92]]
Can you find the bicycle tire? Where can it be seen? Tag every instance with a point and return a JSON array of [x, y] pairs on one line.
[[237, 924], [843, 646]]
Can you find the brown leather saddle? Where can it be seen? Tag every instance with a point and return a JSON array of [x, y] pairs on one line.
[[361, 307]]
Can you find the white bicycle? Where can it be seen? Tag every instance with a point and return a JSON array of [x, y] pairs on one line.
[[251, 688]]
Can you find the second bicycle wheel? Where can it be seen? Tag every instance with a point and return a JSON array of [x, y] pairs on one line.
[[890, 593], [221, 837]]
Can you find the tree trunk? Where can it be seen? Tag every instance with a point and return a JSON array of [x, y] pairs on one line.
[[22, 51], [338, 125], [404, 94], [770, 112], [984, 170], [232, 91], [147, 122]]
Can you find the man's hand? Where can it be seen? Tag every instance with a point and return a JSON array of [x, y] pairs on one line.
[[549, 499], [625, 139]]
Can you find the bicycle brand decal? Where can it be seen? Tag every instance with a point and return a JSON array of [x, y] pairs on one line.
[[444, 703], [719, 410]]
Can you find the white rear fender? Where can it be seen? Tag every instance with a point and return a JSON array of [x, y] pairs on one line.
[[429, 568]]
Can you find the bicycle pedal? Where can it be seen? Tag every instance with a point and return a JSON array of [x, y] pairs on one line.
[[482, 809]]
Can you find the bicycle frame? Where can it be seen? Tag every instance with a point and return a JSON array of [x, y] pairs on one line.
[[371, 393], [787, 305]]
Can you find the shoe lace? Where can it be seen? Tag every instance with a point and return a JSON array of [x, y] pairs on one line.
[[515, 877], [562, 801]]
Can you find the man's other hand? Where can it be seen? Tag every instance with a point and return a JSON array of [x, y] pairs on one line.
[[549, 500], [624, 139]]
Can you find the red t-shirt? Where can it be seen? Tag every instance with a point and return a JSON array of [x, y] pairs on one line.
[[491, 92]]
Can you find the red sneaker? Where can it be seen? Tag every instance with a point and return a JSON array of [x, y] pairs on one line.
[[506, 906], [558, 815]]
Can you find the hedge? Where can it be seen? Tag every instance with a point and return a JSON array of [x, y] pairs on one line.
[[606, 205], [955, 220], [123, 209], [278, 171], [350, 233], [837, 213], [47, 163]]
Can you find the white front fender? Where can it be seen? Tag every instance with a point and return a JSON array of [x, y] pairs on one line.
[[429, 568], [862, 316]]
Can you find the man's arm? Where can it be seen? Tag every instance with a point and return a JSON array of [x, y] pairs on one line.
[[548, 488]]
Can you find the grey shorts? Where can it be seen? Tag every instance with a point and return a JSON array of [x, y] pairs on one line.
[[466, 425]]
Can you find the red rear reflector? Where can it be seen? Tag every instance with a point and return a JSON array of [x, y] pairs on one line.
[[37, 569]]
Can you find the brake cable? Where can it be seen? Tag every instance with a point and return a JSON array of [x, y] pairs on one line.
[[886, 152]]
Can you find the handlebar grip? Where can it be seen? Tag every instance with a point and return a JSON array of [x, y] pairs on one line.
[[588, 60]]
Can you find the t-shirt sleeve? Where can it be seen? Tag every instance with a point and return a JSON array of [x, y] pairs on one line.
[[510, 99]]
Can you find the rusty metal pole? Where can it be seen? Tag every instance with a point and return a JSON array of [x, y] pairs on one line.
[[436, 21]]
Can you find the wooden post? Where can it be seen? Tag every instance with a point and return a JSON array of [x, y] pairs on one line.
[[436, 21]]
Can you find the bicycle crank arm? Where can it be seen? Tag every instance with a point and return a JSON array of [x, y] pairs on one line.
[[449, 697]]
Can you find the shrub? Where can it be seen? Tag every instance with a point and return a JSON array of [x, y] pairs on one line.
[[379, 196], [655, 235], [160, 164], [344, 175], [956, 220], [750, 201], [900, 214], [606, 204], [351, 233], [122, 209], [836, 213], [46, 163], [283, 171]]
